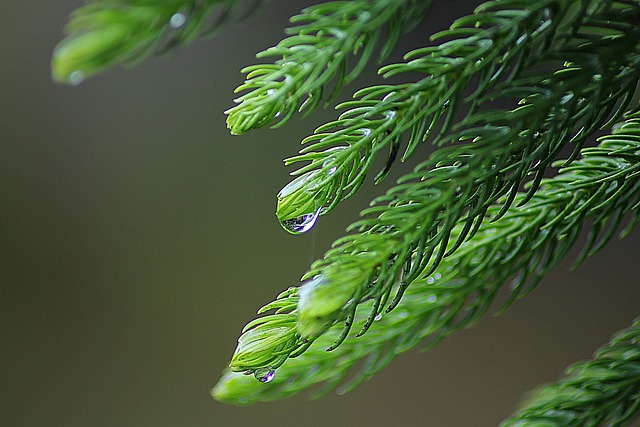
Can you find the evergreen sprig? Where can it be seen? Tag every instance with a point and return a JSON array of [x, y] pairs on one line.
[[498, 46], [604, 391], [518, 250], [317, 52], [104, 33], [408, 232], [501, 94]]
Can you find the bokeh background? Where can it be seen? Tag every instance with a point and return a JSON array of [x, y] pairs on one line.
[[138, 237]]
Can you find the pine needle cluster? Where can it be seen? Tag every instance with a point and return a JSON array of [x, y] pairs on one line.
[[504, 94]]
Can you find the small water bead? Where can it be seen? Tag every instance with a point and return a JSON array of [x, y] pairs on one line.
[[264, 375], [76, 77], [301, 224], [177, 20], [331, 160], [437, 276], [389, 95], [332, 169]]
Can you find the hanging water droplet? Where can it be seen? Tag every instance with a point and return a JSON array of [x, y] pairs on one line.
[[264, 375], [378, 317], [177, 20], [76, 77], [298, 183], [301, 224]]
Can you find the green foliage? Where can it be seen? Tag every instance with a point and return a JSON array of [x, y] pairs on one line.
[[104, 33], [510, 42], [487, 157], [598, 392], [315, 53], [500, 94], [516, 251]]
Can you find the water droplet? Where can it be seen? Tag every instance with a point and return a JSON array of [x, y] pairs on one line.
[[389, 95], [301, 224], [298, 183], [332, 169], [264, 375], [177, 20], [378, 317], [340, 391], [76, 77], [430, 280], [437, 276]]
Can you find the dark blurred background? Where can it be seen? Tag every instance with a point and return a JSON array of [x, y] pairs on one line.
[[139, 236]]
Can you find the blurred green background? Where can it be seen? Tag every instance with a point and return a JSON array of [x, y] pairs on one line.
[[139, 236]]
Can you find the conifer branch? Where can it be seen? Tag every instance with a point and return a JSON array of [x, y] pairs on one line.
[[499, 45], [408, 232], [598, 392], [104, 33], [316, 53], [430, 256], [520, 248]]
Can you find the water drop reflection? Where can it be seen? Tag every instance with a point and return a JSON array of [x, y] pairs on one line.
[[301, 224], [264, 375], [177, 20]]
